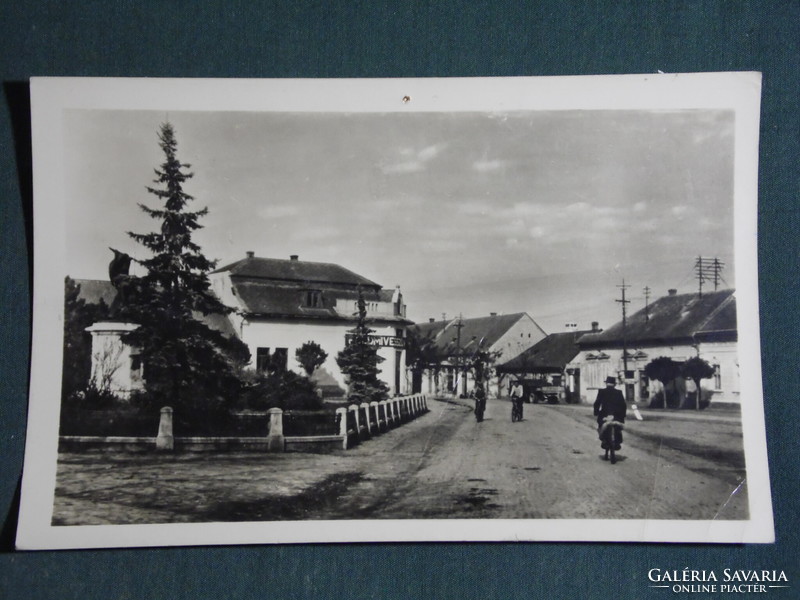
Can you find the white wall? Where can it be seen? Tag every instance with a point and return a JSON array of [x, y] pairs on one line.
[[291, 334], [519, 337], [594, 372]]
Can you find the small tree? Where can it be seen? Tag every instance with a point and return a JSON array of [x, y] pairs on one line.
[[359, 362], [310, 356], [665, 370], [697, 369], [187, 365], [421, 355]]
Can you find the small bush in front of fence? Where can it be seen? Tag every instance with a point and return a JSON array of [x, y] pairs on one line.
[[304, 422], [126, 422]]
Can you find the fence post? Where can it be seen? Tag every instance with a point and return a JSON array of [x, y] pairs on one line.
[[374, 406], [342, 414], [164, 439], [275, 440], [356, 419], [365, 406]]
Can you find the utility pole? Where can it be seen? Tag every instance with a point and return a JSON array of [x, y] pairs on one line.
[[459, 324], [646, 304], [623, 301], [708, 269]]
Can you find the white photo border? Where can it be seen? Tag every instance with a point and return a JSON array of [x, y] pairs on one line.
[[51, 97]]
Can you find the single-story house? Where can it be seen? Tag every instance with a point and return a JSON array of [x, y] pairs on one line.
[[677, 326]]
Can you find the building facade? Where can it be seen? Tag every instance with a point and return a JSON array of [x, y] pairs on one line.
[[282, 304], [676, 326], [455, 341], [279, 305]]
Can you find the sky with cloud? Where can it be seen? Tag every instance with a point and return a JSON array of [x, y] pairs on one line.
[[543, 212]]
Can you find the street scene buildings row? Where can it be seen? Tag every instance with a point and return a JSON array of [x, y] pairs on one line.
[[281, 304]]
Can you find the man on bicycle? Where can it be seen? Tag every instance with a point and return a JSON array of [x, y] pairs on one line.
[[610, 401], [517, 393]]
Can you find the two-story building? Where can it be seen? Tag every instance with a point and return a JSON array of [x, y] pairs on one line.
[[281, 304]]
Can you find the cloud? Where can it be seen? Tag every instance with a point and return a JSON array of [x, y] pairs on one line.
[[413, 161], [538, 232], [475, 207], [640, 207], [488, 166], [278, 211], [316, 232], [680, 211]]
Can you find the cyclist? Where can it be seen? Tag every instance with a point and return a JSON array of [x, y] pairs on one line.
[[610, 401]]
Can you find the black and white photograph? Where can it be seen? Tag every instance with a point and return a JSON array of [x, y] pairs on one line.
[[395, 310]]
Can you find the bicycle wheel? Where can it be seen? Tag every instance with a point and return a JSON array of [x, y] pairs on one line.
[[612, 442]]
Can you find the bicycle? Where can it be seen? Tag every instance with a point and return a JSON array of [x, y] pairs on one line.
[[516, 409], [480, 407], [610, 434]]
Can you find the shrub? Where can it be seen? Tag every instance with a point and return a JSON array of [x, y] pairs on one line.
[[278, 389], [91, 398]]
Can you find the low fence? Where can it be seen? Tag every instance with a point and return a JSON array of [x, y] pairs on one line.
[[351, 425]]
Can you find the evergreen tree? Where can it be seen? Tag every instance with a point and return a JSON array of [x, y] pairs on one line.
[[187, 365], [359, 362]]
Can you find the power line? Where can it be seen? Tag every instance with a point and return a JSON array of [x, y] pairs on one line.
[[708, 269]]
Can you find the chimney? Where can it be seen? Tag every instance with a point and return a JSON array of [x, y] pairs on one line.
[[673, 292], [294, 257], [595, 326], [492, 314], [250, 254], [431, 320]]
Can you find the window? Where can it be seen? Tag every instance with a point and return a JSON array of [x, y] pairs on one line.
[[313, 299], [717, 378], [280, 358], [262, 359]]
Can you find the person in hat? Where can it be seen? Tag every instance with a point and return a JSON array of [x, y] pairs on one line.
[[610, 401]]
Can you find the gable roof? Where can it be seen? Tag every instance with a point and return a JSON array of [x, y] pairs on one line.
[[297, 271], [673, 319], [548, 355], [475, 332]]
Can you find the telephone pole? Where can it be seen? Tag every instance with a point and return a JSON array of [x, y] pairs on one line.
[[646, 304], [708, 269], [624, 287], [459, 324]]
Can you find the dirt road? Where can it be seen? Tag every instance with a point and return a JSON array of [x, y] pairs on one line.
[[442, 465]]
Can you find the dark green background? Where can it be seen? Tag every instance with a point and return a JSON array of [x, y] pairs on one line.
[[403, 39]]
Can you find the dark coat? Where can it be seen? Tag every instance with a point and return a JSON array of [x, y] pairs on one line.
[[610, 401]]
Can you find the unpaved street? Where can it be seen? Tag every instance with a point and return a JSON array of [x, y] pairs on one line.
[[442, 465]]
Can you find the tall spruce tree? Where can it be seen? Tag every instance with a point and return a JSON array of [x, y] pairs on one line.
[[359, 362], [187, 364]]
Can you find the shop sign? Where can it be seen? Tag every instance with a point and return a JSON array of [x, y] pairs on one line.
[[389, 341]]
